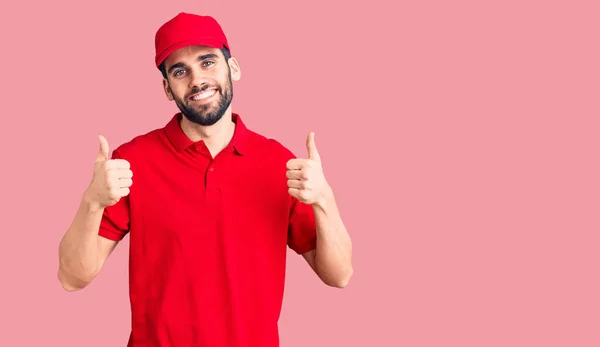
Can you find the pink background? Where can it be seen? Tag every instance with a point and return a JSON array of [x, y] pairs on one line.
[[461, 138]]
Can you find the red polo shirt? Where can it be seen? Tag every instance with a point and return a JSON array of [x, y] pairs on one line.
[[208, 238]]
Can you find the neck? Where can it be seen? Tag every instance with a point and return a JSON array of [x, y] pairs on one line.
[[216, 136]]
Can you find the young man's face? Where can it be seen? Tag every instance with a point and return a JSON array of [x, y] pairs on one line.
[[199, 81]]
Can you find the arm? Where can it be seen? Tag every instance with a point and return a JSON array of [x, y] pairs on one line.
[[82, 252], [332, 259]]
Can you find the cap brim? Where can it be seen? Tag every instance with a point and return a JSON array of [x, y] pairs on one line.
[[196, 42]]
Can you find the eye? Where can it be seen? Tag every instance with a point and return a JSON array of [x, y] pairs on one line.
[[206, 63], [177, 73]]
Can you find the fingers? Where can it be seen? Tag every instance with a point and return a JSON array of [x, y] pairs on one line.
[[296, 193], [294, 164], [117, 174], [112, 177], [119, 189], [301, 194], [117, 164], [125, 173], [125, 182], [297, 184], [312, 147], [116, 193], [298, 164], [123, 192], [295, 174], [103, 151]]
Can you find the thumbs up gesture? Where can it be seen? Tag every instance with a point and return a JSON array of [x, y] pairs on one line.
[[111, 180], [306, 180]]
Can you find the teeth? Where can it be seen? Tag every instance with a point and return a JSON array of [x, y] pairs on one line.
[[204, 95]]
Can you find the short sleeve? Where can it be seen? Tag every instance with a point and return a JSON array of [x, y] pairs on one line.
[[115, 220], [302, 230]]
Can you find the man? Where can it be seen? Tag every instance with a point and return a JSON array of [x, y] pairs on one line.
[[212, 211]]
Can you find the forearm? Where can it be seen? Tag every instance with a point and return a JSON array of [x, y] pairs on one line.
[[78, 250], [333, 257]]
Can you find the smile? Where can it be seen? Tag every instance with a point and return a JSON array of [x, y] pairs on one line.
[[204, 95]]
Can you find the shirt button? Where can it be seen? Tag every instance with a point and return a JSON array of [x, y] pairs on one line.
[[212, 168]]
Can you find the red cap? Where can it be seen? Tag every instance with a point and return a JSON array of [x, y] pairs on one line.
[[187, 30]]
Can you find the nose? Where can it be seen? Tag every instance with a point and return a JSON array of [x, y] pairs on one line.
[[198, 79]]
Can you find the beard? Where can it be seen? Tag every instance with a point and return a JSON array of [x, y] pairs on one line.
[[207, 114]]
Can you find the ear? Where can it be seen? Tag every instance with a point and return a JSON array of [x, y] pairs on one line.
[[168, 91], [236, 72]]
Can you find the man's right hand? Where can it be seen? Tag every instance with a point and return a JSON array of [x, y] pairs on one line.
[[111, 180]]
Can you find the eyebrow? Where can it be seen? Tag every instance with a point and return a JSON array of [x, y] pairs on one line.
[[200, 58]]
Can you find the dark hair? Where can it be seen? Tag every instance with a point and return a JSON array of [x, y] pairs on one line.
[[224, 50]]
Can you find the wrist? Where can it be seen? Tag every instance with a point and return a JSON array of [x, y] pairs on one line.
[[89, 203], [325, 199]]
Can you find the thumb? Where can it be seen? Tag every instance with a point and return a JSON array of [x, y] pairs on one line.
[[311, 147], [103, 152]]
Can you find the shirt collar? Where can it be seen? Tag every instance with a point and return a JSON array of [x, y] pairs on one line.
[[181, 142]]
